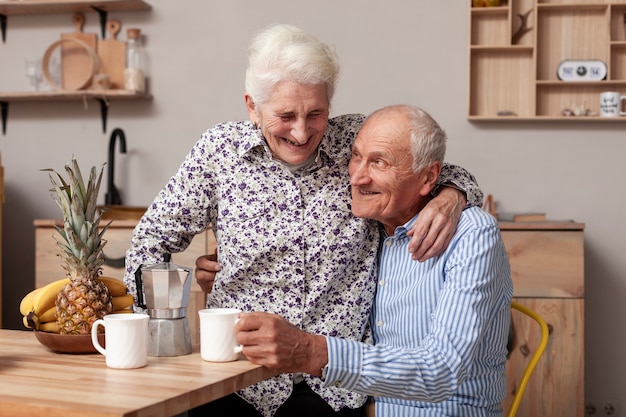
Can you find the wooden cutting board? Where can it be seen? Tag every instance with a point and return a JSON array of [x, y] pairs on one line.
[[76, 63], [112, 54]]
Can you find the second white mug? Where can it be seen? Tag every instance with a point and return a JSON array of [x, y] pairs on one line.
[[612, 104], [217, 334], [126, 337]]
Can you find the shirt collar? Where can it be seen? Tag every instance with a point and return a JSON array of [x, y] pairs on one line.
[[400, 231], [254, 139]]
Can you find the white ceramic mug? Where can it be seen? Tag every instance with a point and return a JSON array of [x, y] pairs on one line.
[[611, 104], [217, 334], [126, 337]]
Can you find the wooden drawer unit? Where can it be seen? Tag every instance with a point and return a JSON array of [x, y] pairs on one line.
[[48, 261], [547, 266]]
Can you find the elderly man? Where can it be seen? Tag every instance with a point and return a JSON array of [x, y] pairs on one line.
[[440, 326]]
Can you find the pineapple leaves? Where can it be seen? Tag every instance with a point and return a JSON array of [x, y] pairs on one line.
[[80, 238]]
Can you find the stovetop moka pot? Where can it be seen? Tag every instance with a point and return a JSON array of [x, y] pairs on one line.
[[163, 290]]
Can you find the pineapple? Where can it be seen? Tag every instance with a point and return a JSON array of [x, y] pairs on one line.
[[84, 299]]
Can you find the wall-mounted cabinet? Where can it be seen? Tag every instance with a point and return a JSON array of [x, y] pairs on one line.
[[518, 80]]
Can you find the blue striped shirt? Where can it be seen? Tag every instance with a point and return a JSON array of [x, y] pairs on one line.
[[440, 327]]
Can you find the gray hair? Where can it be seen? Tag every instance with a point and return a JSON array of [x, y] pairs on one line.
[[428, 139], [287, 53]]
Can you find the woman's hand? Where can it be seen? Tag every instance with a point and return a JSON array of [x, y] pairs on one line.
[[206, 268], [436, 224]]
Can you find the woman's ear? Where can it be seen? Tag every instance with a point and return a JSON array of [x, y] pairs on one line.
[[252, 114]]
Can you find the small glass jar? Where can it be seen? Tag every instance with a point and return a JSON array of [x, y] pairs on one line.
[[135, 72]]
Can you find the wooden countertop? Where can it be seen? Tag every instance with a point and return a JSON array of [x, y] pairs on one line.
[[36, 382]]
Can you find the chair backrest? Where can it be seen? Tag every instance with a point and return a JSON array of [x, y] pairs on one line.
[[530, 367]]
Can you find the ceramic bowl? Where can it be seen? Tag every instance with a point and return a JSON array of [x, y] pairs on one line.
[[68, 343]]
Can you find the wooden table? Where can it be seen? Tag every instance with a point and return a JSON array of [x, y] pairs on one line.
[[36, 382]]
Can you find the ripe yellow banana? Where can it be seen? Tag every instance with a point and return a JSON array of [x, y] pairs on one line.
[[48, 315], [45, 299], [122, 301], [26, 305], [51, 327], [31, 321], [116, 287]]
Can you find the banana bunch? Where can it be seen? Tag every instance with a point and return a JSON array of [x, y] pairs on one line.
[[38, 307]]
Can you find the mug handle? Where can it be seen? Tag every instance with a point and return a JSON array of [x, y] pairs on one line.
[[622, 100], [94, 336], [238, 348]]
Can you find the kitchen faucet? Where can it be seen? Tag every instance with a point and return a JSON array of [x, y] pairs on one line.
[[112, 196]]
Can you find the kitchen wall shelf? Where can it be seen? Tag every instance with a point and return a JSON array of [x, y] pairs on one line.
[[102, 97], [521, 77], [33, 7], [43, 7]]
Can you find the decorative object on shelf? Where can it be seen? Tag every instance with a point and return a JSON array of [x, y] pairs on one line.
[[506, 113], [134, 74], [612, 104], [582, 70], [33, 72], [112, 54], [486, 3], [578, 111], [79, 80], [490, 206], [73, 57], [523, 27], [101, 82]]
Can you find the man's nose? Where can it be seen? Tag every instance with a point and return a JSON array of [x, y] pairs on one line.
[[358, 174]]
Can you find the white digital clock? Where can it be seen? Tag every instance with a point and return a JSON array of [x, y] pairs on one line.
[[582, 70]]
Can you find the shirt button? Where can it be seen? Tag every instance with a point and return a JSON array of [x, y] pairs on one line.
[[389, 243], [337, 384], [381, 282], [379, 323]]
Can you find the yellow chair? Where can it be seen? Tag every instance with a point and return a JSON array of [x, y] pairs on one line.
[[519, 393]]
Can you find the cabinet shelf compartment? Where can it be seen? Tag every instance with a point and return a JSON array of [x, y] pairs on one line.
[[617, 70], [490, 26], [553, 98], [501, 80], [563, 33], [618, 22]]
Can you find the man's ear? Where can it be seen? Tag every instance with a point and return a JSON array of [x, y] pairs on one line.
[[430, 176]]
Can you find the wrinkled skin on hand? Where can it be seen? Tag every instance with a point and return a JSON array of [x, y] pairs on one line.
[[273, 342], [436, 224]]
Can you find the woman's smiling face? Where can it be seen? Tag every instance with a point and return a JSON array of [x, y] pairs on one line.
[[293, 120]]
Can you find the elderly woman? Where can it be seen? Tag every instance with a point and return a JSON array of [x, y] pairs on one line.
[[276, 190]]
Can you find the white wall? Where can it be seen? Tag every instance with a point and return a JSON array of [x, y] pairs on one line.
[[392, 51]]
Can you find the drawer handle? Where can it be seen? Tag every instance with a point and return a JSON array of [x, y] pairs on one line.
[[114, 262]]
